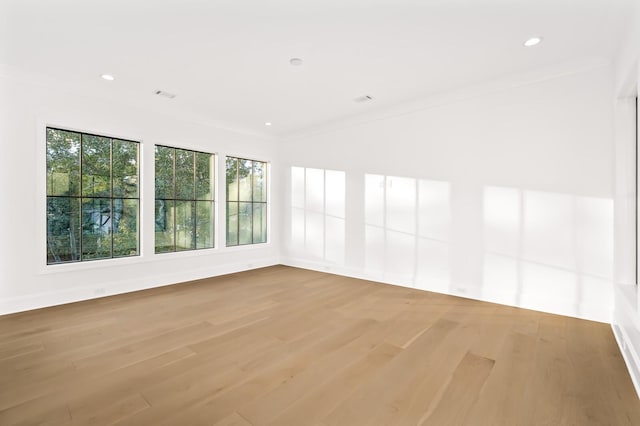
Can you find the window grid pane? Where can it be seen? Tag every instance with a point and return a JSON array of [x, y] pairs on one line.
[[205, 173], [246, 216], [204, 224], [164, 172], [84, 219], [184, 175], [96, 228], [125, 227], [245, 174], [125, 169], [63, 163], [96, 166], [164, 223], [232, 223], [184, 213], [63, 229], [185, 225], [232, 179], [259, 182]]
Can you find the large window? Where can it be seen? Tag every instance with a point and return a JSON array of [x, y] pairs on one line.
[[92, 197], [184, 218], [246, 201]]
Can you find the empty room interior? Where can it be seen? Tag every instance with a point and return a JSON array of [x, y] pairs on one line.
[[337, 212]]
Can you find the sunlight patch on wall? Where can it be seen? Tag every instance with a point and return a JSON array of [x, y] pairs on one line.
[[318, 213], [542, 248], [407, 228]]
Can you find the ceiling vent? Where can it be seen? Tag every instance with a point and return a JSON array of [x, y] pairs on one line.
[[363, 99], [164, 94]]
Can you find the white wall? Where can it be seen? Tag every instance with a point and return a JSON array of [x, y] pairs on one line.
[[26, 282], [626, 315], [502, 194]]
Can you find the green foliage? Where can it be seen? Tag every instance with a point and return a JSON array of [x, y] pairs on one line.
[[96, 166], [164, 224], [232, 179], [63, 163], [204, 176], [259, 181], [63, 229], [125, 234], [165, 182], [96, 228], [185, 174], [125, 169], [204, 224]]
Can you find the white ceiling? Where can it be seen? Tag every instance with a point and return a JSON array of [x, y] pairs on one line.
[[228, 60]]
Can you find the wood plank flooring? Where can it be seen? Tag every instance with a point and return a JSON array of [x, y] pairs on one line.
[[286, 346]]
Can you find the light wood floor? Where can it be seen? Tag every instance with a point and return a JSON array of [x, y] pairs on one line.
[[287, 346]]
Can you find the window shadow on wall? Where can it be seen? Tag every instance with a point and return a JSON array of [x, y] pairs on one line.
[[407, 230], [543, 247], [544, 250], [318, 213]]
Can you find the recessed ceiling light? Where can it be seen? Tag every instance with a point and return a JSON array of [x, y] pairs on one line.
[[532, 41], [108, 77], [267, 123], [295, 62]]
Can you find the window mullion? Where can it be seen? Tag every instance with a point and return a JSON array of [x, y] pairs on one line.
[[81, 252], [175, 202], [251, 192], [111, 206], [194, 205], [238, 201]]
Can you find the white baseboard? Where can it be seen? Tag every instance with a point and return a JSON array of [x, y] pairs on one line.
[[70, 295], [629, 354], [582, 311]]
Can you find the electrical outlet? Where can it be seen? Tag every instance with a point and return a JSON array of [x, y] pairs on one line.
[[100, 290]]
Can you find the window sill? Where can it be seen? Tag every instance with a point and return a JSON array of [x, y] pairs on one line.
[[153, 257], [248, 246], [90, 264]]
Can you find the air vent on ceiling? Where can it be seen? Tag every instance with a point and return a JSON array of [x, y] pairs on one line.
[[363, 99], [164, 94]]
